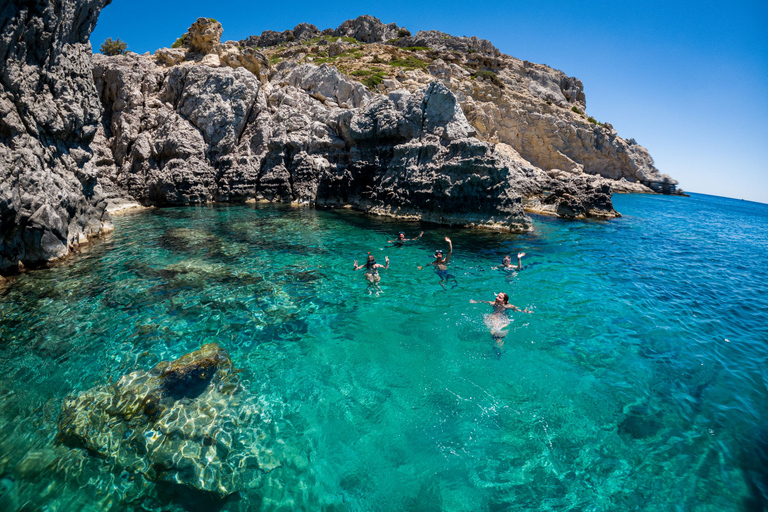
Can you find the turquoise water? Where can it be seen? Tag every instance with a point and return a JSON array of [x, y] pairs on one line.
[[638, 382]]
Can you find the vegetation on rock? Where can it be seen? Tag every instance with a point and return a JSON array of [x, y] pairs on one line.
[[113, 47]]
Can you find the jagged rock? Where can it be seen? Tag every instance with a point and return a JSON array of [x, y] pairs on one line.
[[301, 32], [203, 35], [170, 56], [367, 29], [446, 42], [305, 31], [50, 200], [582, 196], [177, 423], [336, 48], [328, 82]]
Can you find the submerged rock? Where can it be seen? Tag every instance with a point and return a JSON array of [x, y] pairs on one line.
[[178, 423]]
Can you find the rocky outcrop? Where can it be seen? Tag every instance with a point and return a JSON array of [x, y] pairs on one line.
[[177, 422], [368, 29], [202, 45], [577, 197], [194, 133], [50, 200]]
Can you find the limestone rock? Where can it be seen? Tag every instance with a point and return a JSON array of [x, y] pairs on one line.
[[176, 422], [50, 200], [170, 56], [446, 42], [203, 35], [582, 196], [367, 29], [328, 82]]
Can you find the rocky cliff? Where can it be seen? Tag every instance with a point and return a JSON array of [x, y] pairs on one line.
[[426, 126], [50, 200]]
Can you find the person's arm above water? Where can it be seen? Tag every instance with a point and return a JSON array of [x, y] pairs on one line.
[[418, 237], [450, 250], [515, 308], [473, 301], [519, 262], [379, 265]]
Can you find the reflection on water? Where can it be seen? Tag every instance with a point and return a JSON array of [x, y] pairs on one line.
[[639, 381]]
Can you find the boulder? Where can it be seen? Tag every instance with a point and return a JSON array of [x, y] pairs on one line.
[[204, 35], [176, 423]]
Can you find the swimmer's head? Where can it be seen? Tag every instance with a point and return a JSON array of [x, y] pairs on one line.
[[401, 236], [503, 297], [439, 253], [370, 257]]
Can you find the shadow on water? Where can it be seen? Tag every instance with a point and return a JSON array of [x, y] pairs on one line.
[[192, 500]]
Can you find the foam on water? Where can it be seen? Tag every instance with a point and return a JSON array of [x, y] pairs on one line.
[[638, 382]]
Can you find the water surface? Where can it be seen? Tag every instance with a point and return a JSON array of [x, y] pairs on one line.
[[638, 382]]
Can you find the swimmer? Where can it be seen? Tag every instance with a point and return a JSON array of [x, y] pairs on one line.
[[372, 272], [441, 265], [498, 320], [401, 240], [506, 263]]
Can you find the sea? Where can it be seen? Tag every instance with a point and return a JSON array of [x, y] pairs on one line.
[[637, 380]]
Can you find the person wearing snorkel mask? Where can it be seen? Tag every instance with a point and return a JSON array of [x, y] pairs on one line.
[[372, 272], [441, 265]]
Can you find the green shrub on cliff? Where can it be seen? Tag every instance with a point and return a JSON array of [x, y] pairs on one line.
[[110, 47], [576, 109], [409, 62], [370, 77], [490, 76], [179, 42]]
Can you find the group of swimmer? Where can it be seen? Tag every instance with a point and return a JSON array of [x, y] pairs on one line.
[[496, 321]]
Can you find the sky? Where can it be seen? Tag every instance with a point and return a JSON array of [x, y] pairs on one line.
[[687, 80]]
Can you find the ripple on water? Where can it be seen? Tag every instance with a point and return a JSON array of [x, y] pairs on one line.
[[638, 382]]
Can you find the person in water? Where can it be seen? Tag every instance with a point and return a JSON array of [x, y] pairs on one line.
[[401, 240], [498, 320], [506, 263], [372, 272], [441, 265]]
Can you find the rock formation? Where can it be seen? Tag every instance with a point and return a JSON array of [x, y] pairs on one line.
[[426, 126], [176, 423], [193, 133], [50, 199]]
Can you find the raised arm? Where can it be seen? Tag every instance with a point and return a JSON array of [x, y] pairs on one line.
[[450, 249], [418, 237], [519, 260]]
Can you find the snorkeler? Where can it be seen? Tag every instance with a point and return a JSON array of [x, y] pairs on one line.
[[401, 240], [498, 320], [372, 272], [506, 263], [441, 265]]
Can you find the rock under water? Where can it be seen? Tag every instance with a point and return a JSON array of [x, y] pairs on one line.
[[177, 422]]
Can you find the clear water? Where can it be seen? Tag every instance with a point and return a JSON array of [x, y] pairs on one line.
[[639, 381]]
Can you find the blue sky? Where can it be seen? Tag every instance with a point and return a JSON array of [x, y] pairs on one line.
[[687, 80]]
